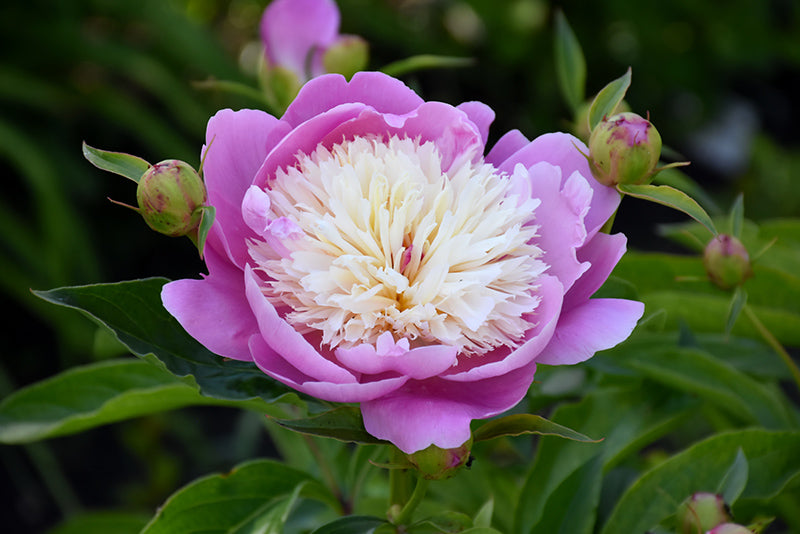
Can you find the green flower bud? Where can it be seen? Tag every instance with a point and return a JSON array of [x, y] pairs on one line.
[[701, 512], [434, 463], [726, 261], [170, 195], [281, 85], [730, 528], [348, 55], [624, 149]]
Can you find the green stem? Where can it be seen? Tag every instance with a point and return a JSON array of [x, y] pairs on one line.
[[775, 344], [326, 472], [399, 480], [404, 517]]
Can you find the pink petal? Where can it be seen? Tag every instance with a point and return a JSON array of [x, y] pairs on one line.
[[507, 145], [214, 310], [438, 412], [602, 252], [417, 363], [596, 325], [564, 151], [374, 89], [274, 365], [503, 360], [290, 29], [287, 342], [560, 217], [481, 114], [236, 145]]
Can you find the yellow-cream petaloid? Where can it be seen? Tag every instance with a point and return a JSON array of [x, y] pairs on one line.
[[379, 239]]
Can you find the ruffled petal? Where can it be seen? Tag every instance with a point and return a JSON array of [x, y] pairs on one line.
[[602, 252], [374, 89], [290, 29], [566, 151], [438, 412], [236, 145], [480, 114], [560, 217], [596, 325], [214, 310], [274, 365], [504, 360], [507, 145]]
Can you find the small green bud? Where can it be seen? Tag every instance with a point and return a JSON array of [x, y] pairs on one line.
[[730, 528], [726, 261], [348, 55], [701, 512], [281, 85], [170, 197], [434, 463], [624, 149]]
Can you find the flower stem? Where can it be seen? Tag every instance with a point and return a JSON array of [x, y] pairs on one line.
[[404, 516], [775, 344]]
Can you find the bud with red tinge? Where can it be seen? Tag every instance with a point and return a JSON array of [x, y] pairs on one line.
[[170, 197], [701, 512], [727, 262], [434, 463], [624, 149], [730, 528]]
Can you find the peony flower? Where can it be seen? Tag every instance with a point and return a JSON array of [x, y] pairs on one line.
[[298, 33], [366, 251]]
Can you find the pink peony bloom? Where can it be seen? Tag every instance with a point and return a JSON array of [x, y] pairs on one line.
[[365, 250], [296, 34]]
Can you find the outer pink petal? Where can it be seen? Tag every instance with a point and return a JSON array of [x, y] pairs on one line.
[[374, 89], [290, 29], [418, 363], [236, 145], [564, 151], [560, 216], [602, 252], [481, 114], [214, 310], [274, 365], [438, 412], [507, 145], [596, 325], [503, 360], [286, 341]]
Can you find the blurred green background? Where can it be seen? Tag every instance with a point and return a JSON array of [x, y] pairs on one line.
[[720, 80]]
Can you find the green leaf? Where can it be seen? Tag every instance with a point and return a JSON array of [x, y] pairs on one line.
[[224, 503], [773, 460], [673, 198], [425, 61], [133, 311], [206, 222], [735, 480], [738, 302], [608, 99], [131, 167], [105, 522], [93, 395], [518, 424], [570, 63], [737, 216], [354, 524], [483, 518], [343, 423]]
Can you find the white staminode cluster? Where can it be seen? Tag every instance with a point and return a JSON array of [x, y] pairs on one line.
[[380, 239]]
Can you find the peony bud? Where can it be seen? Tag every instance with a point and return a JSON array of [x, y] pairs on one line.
[[348, 55], [726, 261], [434, 463], [170, 195], [701, 512], [624, 149], [730, 528]]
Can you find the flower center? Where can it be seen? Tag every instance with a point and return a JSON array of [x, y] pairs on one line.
[[372, 236]]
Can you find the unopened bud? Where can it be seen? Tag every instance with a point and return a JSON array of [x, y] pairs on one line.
[[624, 149], [701, 512], [434, 463], [726, 261], [730, 528], [170, 197], [348, 55]]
